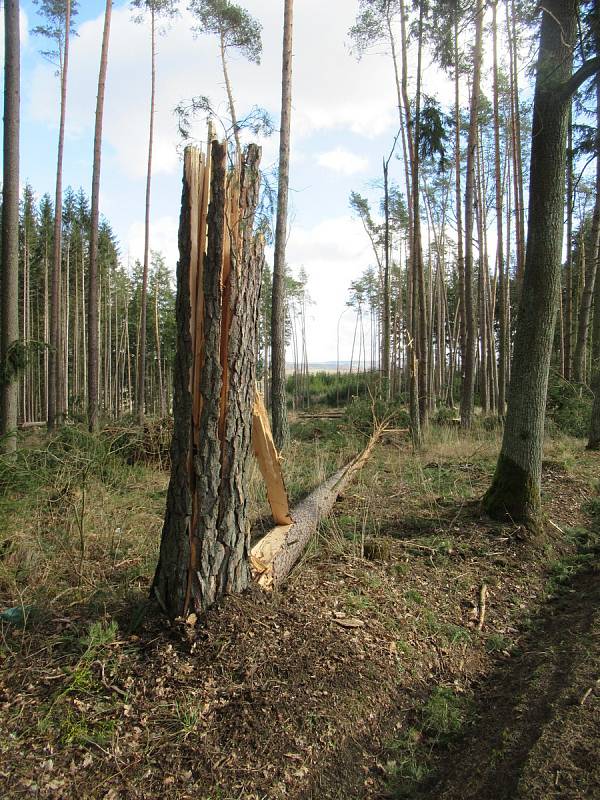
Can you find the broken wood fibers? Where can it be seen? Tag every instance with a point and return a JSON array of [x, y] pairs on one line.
[[204, 546], [275, 555]]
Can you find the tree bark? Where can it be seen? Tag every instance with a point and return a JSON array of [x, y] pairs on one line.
[[92, 352], [141, 372], [9, 284], [55, 359], [468, 387], [278, 400], [515, 490], [204, 547], [234, 120], [590, 274], [594, 437], [503, 334]]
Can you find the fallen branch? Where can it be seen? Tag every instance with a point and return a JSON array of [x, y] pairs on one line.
[[483, 592], [274, 556]]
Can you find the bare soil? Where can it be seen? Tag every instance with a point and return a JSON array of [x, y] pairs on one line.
[[368, 676]]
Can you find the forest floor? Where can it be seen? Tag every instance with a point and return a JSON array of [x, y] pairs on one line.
[[369, 675]]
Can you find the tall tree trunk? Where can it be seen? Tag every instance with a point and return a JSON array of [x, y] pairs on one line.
[[515, 117], [92, 352], [233, 115], [9, 284], [385, 349], [141, 373], [161, 387], [502, 278], [590, 274], [460, 262], [568, 347], [55, 360], [468, 387], [278, 401], [594, 437], [515, 490]]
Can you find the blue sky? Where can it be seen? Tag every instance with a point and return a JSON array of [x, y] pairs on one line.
[[344, 118]]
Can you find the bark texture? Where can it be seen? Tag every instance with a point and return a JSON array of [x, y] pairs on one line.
[[204, 547], [515, 489]]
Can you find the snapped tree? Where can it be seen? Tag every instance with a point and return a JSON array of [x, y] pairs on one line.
[[204, 546]]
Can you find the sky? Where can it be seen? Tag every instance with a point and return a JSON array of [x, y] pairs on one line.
[[344, 119]]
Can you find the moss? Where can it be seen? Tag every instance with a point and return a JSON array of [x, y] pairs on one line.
[[513, 495]]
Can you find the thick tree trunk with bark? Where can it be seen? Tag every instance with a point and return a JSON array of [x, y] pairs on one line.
[[92, 347], [9, 278], [515, 490], [204, 548], [278, 402]]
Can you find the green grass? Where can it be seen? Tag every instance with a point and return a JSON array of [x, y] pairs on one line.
[[496, 643], [441, 718]]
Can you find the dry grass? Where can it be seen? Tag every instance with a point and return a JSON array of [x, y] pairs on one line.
[[271, 696]]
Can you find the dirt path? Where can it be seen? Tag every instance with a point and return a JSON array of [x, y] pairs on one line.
[[538, 727]]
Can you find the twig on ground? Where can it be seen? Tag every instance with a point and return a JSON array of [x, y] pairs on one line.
[[483, 592]]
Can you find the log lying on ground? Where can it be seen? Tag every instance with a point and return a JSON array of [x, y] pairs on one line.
[[274, 556], [321, 415]]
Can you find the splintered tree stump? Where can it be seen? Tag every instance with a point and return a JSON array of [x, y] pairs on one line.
[[204, 546]]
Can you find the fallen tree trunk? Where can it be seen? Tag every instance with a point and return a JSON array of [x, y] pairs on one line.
[[274, 556]]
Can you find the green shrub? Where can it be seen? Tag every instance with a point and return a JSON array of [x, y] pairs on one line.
[[568, 408]]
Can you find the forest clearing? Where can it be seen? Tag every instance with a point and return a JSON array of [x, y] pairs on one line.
[[225, 573]]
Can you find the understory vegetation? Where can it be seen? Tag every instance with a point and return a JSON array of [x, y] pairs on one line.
[[401, 562]]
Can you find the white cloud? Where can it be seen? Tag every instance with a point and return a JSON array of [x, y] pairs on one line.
[[334, 252], [343, 161], [330, 90], [23, 32], [164, 239]]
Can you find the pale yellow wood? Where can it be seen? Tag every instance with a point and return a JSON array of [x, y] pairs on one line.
[[273, 557], [269, 463]]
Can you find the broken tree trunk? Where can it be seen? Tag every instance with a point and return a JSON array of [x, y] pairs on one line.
[[204, 546], [275, 555], [269, 464]]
